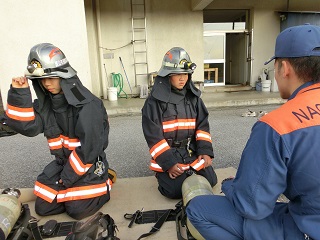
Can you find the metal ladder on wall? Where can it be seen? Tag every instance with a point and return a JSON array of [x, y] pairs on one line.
[[139, 41]]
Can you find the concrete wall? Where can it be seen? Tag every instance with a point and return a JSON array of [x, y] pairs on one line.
[[26, 23], [266, 27], [174, 24], [116, 35], [93, 46], [89, 29], [170, 23]]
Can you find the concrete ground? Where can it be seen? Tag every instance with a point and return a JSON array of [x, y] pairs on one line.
[[127, 196]]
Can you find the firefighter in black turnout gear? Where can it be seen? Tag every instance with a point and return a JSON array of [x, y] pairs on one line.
[[175, 125], [75, 123]]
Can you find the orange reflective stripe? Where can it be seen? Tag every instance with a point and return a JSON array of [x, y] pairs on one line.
[[55, 143], [179, 124], [184, 166], [85, 192], [20, 114], [46, 193], [198, 165], [159, 148], [69, 143], [204, 136], [154, 166], [77, 164]]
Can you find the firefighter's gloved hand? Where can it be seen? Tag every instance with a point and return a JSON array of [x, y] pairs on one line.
[[175, 171]]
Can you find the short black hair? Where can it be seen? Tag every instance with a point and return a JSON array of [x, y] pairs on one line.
[[306, 68]]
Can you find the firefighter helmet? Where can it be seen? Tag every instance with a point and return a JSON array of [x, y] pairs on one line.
[[176, 61], [46, 60]]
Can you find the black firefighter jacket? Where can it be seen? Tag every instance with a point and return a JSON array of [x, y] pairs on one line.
[[76, 126], [170, 115]]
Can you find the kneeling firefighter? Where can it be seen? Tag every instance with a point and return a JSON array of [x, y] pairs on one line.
[[75, 123], [175, 125]]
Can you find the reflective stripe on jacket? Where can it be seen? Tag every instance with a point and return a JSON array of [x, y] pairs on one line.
[[196, 165], [20, 114], [63, 141]]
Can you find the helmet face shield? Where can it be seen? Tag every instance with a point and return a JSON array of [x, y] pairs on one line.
[[46, 60], [176, 61]]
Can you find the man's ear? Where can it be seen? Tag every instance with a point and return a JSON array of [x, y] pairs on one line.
[[286, 69]]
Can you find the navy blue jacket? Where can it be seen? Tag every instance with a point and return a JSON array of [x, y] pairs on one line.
[[282, 156]]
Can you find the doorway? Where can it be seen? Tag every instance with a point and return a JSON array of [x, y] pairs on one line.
[[214, 58], [226, 60], [227, 48]]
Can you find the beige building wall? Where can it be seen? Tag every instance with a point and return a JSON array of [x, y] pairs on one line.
[[266, 27], [93, 46], [173, 24], [26, 23], [95, 33], [170, 23]]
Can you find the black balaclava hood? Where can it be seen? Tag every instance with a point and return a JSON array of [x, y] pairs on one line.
[[161, 89], [75, 93]]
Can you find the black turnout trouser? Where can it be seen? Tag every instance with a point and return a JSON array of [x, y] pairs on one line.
[[77, 209]]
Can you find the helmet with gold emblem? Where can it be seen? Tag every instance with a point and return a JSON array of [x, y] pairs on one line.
[[47, 60], [176, 61]]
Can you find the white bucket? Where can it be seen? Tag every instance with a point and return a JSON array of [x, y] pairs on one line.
[[274, 85], [112, 94], [265, 85]]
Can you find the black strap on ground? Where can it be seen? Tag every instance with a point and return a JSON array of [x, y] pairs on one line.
[[33, 224], [51, 229], [158, 224], [152, 216]]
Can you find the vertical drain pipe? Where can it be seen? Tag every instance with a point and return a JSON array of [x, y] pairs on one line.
[[101, 68]]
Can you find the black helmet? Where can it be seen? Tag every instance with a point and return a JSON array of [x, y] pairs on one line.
[[46, 60], [176, 61]]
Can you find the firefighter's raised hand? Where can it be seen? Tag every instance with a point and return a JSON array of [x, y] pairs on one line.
[[175, 171], [207, 160], [20, 82]]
